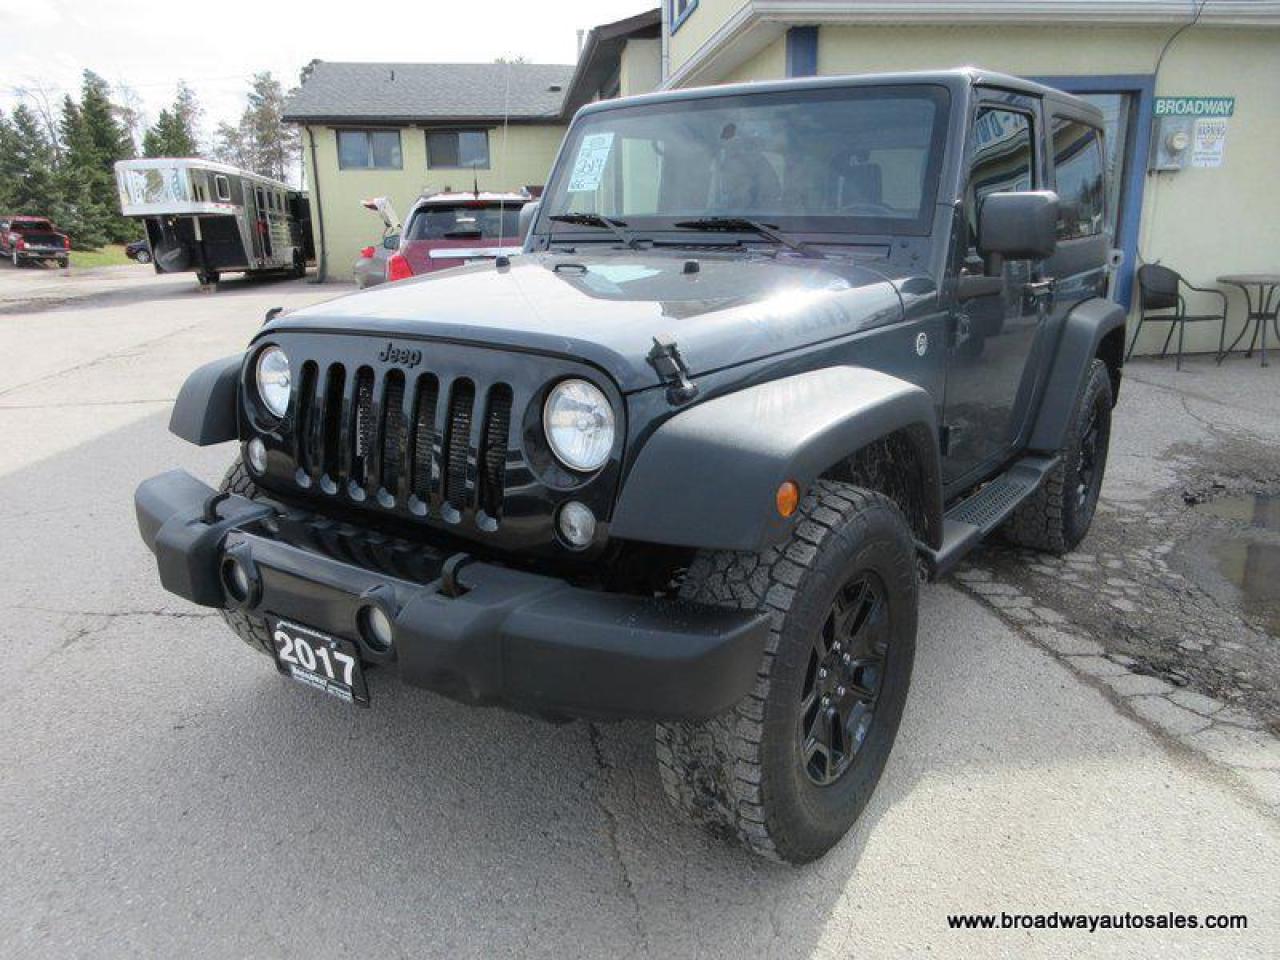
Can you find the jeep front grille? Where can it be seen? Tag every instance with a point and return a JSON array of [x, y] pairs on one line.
[[414, 440]]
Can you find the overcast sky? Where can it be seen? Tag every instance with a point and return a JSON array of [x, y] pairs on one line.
[[215, 46]]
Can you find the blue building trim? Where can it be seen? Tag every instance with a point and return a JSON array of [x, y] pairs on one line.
[[802, 52], [1135, 160], [677, 17]]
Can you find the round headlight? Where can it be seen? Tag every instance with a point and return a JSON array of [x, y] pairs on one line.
[[273, 380], [579, 424]]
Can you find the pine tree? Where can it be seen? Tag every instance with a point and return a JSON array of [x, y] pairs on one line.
[[230, 146], [174, 132], [80, 215], [272, 145], [27, 178], [94, 141], [188, 112], [8, 176]]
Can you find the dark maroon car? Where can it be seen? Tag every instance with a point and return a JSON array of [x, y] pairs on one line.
[[448, 229]]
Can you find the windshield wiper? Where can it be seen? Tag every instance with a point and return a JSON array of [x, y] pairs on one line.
[[595, 220], [768, 231]]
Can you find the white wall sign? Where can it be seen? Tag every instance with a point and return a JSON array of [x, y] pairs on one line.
[[1209, 143]]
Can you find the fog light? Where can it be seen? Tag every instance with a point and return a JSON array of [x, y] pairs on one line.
[[577, 524], [257, 455], [375, 627], [236, 577]]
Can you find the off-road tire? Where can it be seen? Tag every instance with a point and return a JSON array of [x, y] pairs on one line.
[[249, 628], [741, 774], [1054, 519]]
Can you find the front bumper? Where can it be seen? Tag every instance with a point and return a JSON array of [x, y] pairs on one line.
[[478, 632]]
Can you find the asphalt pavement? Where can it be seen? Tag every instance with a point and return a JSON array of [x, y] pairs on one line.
[[163, 792]]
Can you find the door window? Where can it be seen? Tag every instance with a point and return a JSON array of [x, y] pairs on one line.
[[1003, 159]]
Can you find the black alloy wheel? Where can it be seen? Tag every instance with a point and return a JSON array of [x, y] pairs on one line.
[[842, 683]]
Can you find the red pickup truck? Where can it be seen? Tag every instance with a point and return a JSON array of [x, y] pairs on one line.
[[29, 239]]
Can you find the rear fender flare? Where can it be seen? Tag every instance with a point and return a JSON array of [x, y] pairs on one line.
[[1082, 334], [709, 476]]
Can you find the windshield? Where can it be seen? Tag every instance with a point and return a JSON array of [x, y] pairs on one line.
[[847, 160], [34, 226], [466, 222]]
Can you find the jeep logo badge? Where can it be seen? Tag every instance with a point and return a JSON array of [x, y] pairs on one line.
[[393, 354], [922, 344]]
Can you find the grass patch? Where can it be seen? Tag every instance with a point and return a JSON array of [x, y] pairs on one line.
[[112, 255]]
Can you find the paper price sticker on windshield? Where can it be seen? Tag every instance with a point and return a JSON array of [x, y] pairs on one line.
[[590, 163]]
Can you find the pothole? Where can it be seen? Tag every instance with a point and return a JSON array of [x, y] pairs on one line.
[[1248, 553], [1184, 586], [1260, 510]]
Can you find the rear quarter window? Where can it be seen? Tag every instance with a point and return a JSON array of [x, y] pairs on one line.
[[1079, 179]]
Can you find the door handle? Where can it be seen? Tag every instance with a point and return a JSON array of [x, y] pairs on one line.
[[1036, 292]]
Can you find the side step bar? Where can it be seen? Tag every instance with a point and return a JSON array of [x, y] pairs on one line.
[[968, 522]]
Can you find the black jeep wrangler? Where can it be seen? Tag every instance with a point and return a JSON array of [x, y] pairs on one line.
[[772, 353]]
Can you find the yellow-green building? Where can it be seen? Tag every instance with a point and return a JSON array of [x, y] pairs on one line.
[[1214, 211], [400, 130]]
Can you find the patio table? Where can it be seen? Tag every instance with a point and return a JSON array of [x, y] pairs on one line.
[[1266, 307]]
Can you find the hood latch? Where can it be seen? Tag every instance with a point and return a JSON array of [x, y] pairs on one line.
[[665, 358]]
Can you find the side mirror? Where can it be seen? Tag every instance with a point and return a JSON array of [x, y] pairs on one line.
[[527, 214], [1017, 226], [391, 242]]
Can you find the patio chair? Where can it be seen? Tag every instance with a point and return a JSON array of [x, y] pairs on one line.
[[1158, 293]]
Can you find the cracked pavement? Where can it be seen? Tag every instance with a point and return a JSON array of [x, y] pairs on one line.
[[165, 793]]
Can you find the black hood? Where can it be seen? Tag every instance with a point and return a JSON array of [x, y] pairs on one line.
[[606, 306]]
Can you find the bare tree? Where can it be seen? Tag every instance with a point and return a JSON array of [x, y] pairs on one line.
[[45, 103], [130, 111]]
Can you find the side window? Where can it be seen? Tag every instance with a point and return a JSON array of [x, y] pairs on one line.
[[1003, 159], [680, 10], [369, 149], [1081, 186], [222, 186], [458, 149]]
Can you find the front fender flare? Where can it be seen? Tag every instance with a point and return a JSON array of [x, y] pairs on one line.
[[708, 477], [205, 411], [1082, 334]]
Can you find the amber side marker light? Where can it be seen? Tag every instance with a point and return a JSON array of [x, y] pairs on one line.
[[787, 498]]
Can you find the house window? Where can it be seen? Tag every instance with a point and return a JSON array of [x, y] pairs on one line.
[[1077, 163], [458, 149], [222, 186], [369, 150], [680, 10]]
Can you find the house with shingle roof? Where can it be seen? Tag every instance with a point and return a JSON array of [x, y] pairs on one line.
[[399, 130]]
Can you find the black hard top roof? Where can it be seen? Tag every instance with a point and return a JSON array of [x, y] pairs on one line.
[[954, 79]]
